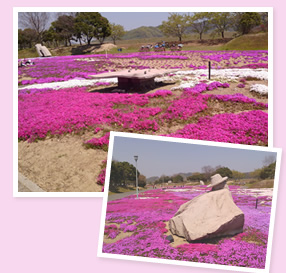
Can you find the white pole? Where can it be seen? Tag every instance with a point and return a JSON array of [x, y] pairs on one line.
[[136, 158], [136, 181]]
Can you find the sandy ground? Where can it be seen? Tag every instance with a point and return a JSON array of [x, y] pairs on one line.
[[61, 164]]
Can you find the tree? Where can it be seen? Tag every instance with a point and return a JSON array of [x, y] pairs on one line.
[[207, 171], [37, 21], [142, 180], [221, 21], [196, 177], [247, 21], [122, 174], [224, 171], [92, 24], [236, 175], [255, 173], [268, 160], [268, 172], [176, 25], [64, 26], [264, 20], [200, 23], [49, 36], [177, 178], [26, 37], [117, 31]]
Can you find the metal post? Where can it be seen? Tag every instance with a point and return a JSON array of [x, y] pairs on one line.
[[136, 158], [256, 203], [209, 70]]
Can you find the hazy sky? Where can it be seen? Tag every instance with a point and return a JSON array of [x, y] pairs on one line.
[[161, 157], [129, 20]]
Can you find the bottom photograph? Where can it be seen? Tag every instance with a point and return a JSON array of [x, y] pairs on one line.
[[189, 202]]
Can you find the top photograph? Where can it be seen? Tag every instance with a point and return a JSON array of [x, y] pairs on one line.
[[197, 74]]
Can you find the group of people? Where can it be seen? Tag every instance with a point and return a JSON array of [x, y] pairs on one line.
[[25, 63], [161, 46]]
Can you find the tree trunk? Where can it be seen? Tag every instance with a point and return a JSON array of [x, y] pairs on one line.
[[201, 34], [222, 34]]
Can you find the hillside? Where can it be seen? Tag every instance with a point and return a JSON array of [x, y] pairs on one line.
[[257, 41], [142, 32]]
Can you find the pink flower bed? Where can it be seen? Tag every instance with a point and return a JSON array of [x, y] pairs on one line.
[[149, 216], [70, 67]]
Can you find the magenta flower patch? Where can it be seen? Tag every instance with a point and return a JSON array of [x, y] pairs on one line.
[[151, 213]]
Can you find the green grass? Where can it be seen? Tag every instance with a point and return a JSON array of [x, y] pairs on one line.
[[246, 42], [269, 183], [123, 189], [257, 41], [27, 53]]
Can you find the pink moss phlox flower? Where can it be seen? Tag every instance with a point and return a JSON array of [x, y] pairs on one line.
[[160, 93], [247, 128], [241, 85]]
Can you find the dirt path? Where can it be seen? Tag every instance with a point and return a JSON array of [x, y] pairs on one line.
[[116, 196]]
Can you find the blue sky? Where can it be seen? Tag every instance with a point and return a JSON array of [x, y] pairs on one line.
[[161, 157]]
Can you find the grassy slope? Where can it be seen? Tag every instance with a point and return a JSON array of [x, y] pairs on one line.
[[248, 42]]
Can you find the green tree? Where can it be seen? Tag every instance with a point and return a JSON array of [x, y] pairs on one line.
[[196, 177], [90, 25], [200, 23], [117, 31], [255, 173], [236, 175], [224, 171], [247, 21], [176, 25], [163, 179], [222, 21], [268, 172], [50, 37], [64, 26], [122, 174], [26, 37], [177, 178], [142, 180]]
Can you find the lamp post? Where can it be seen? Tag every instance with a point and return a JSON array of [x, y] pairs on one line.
[[136, 158]]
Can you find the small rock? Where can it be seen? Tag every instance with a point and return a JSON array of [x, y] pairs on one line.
[[170, 238]]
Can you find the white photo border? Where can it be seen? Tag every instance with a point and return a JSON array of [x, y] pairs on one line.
[[278, 152], [17, 10]]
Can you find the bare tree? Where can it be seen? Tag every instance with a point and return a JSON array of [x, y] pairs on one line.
[[207, 171], [269, 159], [37, 21]]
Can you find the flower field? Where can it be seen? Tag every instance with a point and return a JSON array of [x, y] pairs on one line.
[[139, 227], [58, 99]]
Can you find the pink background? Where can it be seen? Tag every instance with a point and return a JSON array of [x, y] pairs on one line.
[[61, 234]]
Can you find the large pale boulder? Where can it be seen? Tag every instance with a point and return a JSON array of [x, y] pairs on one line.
[[212, 214], [43, 51]]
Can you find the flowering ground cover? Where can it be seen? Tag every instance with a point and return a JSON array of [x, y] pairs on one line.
[[139, 227], [58, 98]]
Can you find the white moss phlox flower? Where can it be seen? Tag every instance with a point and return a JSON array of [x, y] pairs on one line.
[[259, 88]]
